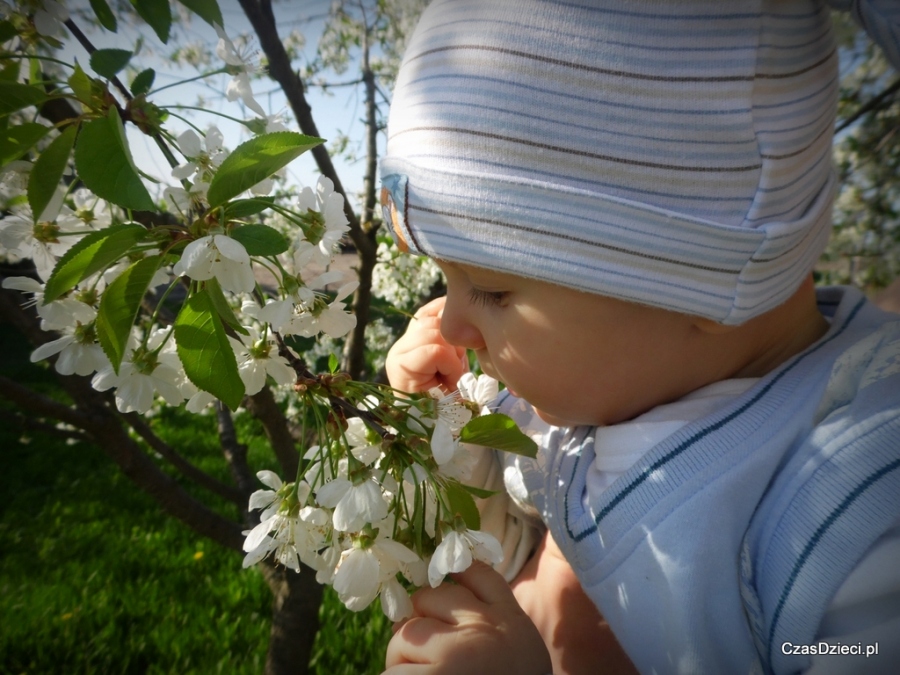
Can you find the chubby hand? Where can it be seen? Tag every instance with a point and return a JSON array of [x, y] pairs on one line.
[[475, 626], [422, 358]]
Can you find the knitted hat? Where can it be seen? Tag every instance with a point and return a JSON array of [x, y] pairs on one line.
[[674, 153]]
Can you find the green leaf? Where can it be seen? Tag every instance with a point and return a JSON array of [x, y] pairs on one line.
[[498, 431], [208, 10], [15, 96], [104, 15], [462, 504], [10, 72], [241, 208], [108, 62], [91, 254], [19, 139], [48, 170], [105, 166], [157, 14], [119, 306], [333, 364], [260, 239], [7, 31], [80, 82], [220, 303], [256, 160], [205, 352], [143, 81], [480, 492]]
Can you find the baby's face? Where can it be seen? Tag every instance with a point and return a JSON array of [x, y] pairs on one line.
[[578, 358]]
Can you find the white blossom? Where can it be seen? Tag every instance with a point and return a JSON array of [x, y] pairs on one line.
[[241, 67], [146, 372], [76, 356], [48, 21], [363, 572], [481, 390], [221, 257], [257, 359], [457, 550], [203, 156], [330, 205], [58, 314], [354, 504]]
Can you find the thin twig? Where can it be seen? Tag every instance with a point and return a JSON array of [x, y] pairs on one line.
[[872, 104]]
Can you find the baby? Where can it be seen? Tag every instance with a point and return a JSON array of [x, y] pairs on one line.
[[627, 200]]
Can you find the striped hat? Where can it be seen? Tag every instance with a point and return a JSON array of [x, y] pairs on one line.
[[675, 153]]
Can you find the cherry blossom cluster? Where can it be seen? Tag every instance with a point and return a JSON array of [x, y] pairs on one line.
[[379, 511], [295, 303]]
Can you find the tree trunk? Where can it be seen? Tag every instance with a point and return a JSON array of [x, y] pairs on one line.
[[295, 619]]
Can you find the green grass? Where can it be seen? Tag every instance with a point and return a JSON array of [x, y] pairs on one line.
[[94, 578]]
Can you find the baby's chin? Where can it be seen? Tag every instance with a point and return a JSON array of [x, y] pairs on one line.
[[556, 421]]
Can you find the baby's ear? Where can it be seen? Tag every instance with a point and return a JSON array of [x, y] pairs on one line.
[[711, 326]]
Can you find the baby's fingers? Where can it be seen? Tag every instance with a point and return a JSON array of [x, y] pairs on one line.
[[418, 641]]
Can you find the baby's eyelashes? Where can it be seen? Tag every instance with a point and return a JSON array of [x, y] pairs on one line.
[[484, 298]]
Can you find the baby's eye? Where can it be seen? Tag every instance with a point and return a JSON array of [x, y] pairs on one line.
[[478, 296]]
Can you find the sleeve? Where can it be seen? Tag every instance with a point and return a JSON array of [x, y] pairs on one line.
[[502, 517], [863, 618]]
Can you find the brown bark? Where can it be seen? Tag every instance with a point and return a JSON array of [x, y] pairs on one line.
[[264, 408], [295, 619]]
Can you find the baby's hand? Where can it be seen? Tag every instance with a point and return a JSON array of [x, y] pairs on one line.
[[422, 358], [473, 627]]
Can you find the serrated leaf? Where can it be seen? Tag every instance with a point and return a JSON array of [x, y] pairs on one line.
[[254, 161], [119, 306], [105, 166], [260, 239], [91, 254], [220, 303], [462, 504], [500, 432], [241, 208], [108, 62], [157, 15], [19, 139], [7, 31], [143, 81], [15, 96], [49, 168], [205, 352], [208, 10], [80, 82], [104, 15]]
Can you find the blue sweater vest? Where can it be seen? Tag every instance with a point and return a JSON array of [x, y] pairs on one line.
[[730, 537]]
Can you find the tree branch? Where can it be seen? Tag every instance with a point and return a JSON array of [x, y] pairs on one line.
[[184, 467], [235, 454], [40, 405], [30, 424], [264, 408], [872, 104], [95, 416]]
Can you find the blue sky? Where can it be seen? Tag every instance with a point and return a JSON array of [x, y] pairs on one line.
[[340, 111]]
